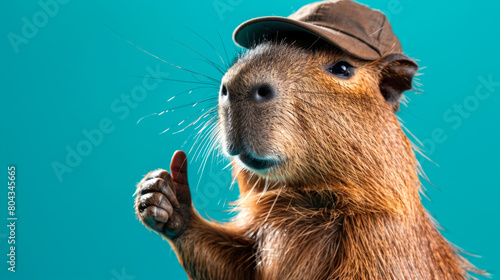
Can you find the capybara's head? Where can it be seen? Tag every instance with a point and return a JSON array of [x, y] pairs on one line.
[[300, 111]]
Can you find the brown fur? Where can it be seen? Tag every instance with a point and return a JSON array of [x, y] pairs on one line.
[[344, 203]]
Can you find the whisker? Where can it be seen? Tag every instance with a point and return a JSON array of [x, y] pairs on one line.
[[240, 201], [246, 197], [210, 147], [196, 128], [227, 165], [272, 206], [203, 163], [214, 85], [193, 123], [175, 108], [201, 137], [215, 65], [223, 46], [233, 181], [220, 70], [146, 117], [208, 127], [192, 104], [161, 59], [174, 65], [188, 91], [266, 186], [210, 44], [198, 134], [182, 120]]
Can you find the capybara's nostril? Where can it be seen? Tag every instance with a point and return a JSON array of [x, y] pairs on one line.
[[263, 93], [223, 90], [223, 95], [233, 149]]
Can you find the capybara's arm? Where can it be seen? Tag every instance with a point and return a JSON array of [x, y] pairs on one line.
[[208, 250]]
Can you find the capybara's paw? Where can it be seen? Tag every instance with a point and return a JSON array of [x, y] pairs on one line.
[[163, 201]]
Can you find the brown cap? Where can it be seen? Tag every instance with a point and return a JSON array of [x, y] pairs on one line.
[[352, 27]]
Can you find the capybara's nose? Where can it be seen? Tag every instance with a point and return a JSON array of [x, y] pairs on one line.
[[262, 93]]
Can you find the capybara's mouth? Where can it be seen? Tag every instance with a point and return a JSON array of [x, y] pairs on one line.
[[258, 164]]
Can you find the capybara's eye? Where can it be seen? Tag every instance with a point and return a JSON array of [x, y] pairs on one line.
[[342, 69]]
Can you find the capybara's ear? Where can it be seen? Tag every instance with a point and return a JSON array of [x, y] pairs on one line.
[[397, 72]]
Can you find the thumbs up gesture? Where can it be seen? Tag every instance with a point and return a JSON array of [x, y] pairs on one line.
[[163, 200]]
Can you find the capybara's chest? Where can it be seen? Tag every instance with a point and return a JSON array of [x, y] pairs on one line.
[[297, 250]]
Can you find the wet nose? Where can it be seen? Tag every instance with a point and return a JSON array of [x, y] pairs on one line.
[[260, 93]]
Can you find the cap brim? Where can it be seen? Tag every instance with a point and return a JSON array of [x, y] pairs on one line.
[[251, 31]]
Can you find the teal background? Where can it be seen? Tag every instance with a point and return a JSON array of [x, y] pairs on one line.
[[71, 74]]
